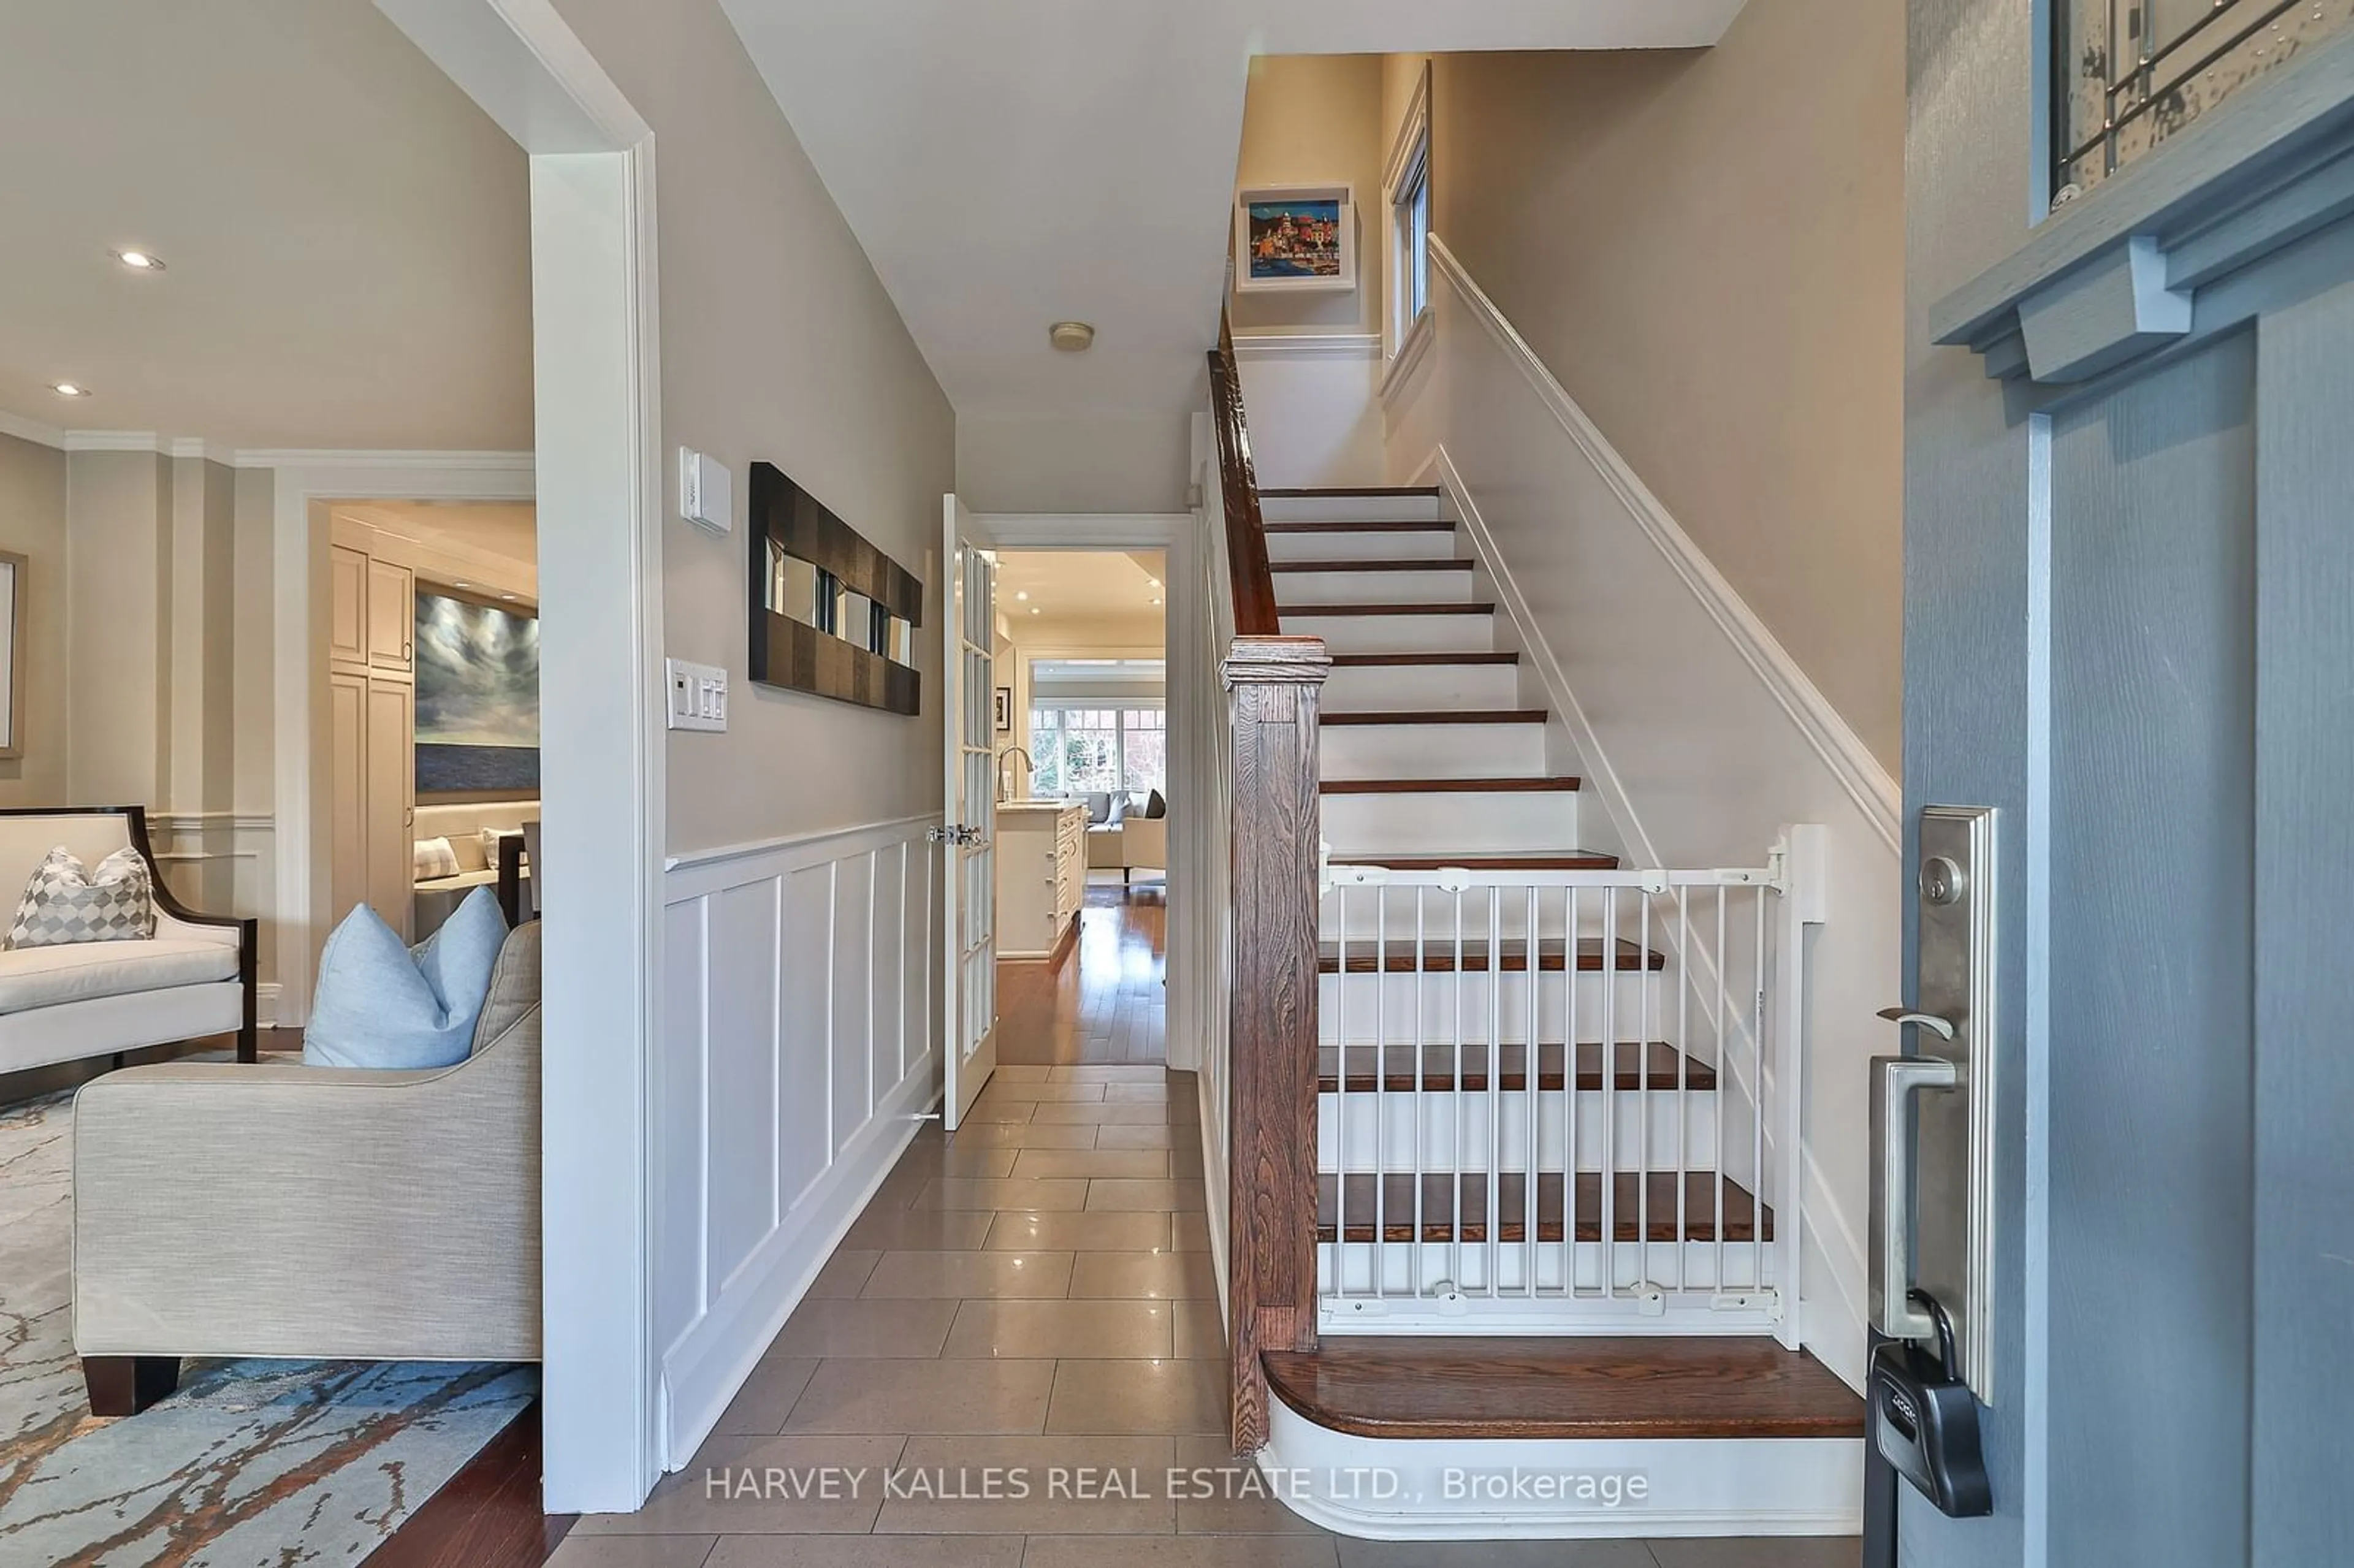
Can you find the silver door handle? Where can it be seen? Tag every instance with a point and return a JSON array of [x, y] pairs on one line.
[[1893, 1079], [1943, 1028]]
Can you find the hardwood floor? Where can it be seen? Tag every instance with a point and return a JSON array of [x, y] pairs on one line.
[[488, 1516], [1103, 1002]]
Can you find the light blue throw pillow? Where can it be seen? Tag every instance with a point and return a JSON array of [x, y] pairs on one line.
[[383, 1005]]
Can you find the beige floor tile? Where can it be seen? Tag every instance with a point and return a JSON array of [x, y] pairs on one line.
[[1027, 1134], [760, 1407], [935, 1396], [579, 1551], [1029, 1329], [1794, 1551], [1155, 1092], [1147, 1136], [959, 1159], [727, 1490], [1162, 1275], [1509, 1555], [1112, 1397], [883, 1329], [1222, 1495], [1144, 1162], [1002, 1192], [1111, 1073], [1083, 1231], [1035, 1073], [1180, 1552], [1182, 1196], [1200, 1332], [868, 1552], [845, 1274], [1103, 1111], [1099, 1485], [956, 1274], [908, 1230], [999, 1111], [1053, 1089], [1193, 1233]]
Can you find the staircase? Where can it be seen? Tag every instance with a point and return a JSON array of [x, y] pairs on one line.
[[1534, 1250]]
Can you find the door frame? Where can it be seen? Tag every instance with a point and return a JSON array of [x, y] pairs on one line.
[[1191, 978], [596, 393]]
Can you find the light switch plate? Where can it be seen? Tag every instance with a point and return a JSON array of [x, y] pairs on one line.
[[706, 492], [698, 695]]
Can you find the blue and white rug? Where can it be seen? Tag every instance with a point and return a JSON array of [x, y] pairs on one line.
[[252, 1464]]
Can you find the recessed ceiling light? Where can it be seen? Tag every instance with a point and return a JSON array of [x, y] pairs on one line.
[[1034, 609], [508, 597], [1071, 337], [1156, 601], [139, 260], [1023, 594], [1152, 582], [462, 583], [69, 388]]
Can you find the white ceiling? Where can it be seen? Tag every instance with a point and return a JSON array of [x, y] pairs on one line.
[[346, 234], [505, 532], [1012, 164], [1083, 599]]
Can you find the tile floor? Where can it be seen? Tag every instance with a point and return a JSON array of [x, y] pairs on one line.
[[1029, 1299]]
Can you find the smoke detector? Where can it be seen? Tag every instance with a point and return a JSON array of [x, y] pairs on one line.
[[1071, 337]]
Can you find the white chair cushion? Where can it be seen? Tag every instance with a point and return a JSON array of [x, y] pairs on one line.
[[46, 977]]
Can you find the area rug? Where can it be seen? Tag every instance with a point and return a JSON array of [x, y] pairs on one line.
[[287, 1464]]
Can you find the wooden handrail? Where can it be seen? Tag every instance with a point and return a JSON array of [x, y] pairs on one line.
[[1276, 684], [1254, 586]]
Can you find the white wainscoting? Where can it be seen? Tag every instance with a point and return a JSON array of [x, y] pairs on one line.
[[1312, 400], [796, 1052], [226, 862], [1697, 734]]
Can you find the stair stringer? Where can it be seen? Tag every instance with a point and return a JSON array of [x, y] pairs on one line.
[[1389, 1488]]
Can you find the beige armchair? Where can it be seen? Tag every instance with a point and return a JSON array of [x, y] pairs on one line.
[[224, 1209]]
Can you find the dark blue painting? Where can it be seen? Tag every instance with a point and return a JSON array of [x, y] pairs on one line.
[[477, 698]]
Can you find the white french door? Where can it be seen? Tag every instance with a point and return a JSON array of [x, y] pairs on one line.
[[969, 833]]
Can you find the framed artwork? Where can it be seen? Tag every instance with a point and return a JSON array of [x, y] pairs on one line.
[[477, 698], [12, 653], [1295, 238], [1004, 709]]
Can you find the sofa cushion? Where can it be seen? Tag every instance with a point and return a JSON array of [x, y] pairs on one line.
[[63, 902], [79, 971], [431, 858], [382, 1004]]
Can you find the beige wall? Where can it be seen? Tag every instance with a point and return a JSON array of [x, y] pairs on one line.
[[118, 517], [1706, 248], [1316, 120], [777, 342], [1118, 463], [33, 524]]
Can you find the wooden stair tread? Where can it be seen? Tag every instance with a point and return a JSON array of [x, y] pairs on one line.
[[1398, 661], [1630, 1220], [1654, 1386], [1297, 492], [1539, 785], [1438, 715], [1510, 956], [1416, 609], [1393, 1067], [1449, 564], [1571, 860], [1364, 525]]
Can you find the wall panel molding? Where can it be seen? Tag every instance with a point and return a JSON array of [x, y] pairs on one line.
[[798, 1054]]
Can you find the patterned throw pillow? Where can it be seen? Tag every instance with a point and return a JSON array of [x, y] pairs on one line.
[[64, 904], [430, 858]]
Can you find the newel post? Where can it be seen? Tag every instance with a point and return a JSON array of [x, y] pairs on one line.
[[1275, 684]]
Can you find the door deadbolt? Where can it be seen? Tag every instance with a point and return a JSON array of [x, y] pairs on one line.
[[1942, 881]]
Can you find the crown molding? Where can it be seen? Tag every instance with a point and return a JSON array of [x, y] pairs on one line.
[[33, 431], [1307, 345], [321, 458]]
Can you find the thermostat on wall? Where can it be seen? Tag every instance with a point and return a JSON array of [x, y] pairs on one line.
[[704, 493]]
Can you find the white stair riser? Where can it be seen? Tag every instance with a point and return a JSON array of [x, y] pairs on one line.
[[1432, 751], [1392, 688], [1361, 1132], [1465, 823], [1347, 1270], [1446, 587], [1396, 633], [1368, 544], [1359, 1008], [1347, 508]]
